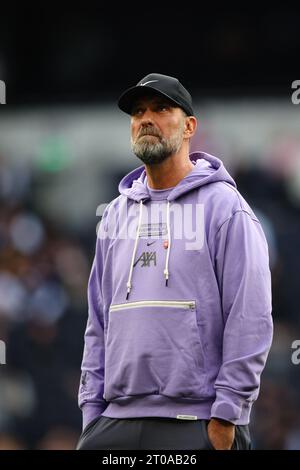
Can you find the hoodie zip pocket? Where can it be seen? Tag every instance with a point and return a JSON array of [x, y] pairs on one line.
[[188, 304], [153, 347]]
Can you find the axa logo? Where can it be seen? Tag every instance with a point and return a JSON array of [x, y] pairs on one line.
[[146, 258]]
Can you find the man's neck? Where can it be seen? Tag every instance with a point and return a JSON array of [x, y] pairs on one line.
[[168, 173]]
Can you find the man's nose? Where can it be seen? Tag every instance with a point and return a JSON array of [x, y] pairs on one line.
[[147, 117]]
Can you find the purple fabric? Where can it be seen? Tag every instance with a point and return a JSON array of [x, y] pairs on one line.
[[202, 356]]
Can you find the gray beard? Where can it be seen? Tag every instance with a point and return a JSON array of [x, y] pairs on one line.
[[152, 153]]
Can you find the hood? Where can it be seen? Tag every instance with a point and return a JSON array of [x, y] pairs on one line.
[[208, 169]]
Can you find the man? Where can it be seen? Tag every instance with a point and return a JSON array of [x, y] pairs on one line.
[[179, 324]]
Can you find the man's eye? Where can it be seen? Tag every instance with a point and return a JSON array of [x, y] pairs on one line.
[[137, 111], [163, 107]]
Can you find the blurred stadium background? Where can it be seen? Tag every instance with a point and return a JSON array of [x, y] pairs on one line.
[[64, 145]]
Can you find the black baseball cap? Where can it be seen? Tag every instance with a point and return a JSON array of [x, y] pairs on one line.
[[161, 84]]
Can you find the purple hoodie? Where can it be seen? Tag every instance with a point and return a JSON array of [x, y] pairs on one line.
[[179, 296]]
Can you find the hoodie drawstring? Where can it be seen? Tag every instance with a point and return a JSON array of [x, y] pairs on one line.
[[134, 249], [166, 270]]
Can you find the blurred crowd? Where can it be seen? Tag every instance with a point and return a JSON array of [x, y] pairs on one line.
[[43, 278], [43, 310]]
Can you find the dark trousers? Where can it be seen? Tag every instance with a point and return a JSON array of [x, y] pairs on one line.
[[153, 433]]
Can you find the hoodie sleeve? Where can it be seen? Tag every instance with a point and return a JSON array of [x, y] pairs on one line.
[[90, 398], [243, 274]]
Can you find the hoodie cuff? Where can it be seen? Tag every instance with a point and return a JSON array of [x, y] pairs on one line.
[[91, 411], [231, 407]]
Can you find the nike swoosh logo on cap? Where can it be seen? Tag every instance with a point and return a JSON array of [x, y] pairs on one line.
[[150, 81]]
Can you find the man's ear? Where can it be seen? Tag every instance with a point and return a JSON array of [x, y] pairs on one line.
[[190, 126]]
